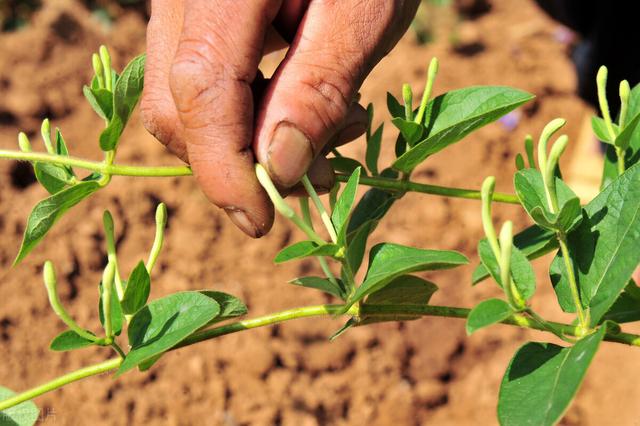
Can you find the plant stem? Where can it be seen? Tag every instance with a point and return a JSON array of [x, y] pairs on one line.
[[326, 219], [97, 166], [175, 171], [285, 209], [57, 383], [573, 284], [409, 186], [306, 216], [620, 153], [518, 320]]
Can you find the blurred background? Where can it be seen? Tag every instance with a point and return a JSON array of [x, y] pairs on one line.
[[414, 373]]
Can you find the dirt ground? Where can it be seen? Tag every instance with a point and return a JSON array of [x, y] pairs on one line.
[[420, 372]]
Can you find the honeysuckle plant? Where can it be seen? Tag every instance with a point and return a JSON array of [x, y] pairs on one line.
[[596, 245]]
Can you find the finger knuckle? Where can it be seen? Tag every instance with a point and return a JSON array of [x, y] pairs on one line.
[[329, 92], [196, 84]]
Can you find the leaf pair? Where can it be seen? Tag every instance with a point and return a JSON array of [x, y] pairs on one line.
[[165, 322], [54, 178], [116, 108], [452, 116], [402, 290], [388, 261], [531, 192]]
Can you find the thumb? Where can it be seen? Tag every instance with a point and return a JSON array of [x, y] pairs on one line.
[[306, 103]]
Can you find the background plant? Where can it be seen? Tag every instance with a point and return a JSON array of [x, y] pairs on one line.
[[596, 244]]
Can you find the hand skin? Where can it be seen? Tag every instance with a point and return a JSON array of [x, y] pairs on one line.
[[201, 98]]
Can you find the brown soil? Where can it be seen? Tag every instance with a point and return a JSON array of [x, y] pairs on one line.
[[420, 372]]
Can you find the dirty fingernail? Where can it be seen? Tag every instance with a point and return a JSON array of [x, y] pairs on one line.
[[242, 221], [289, 155]]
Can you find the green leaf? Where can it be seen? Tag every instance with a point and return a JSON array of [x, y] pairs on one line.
[[52, 177], [533, 242], [137, 290], [402, 290], [455, 114], [388, 261], [319, 284], [396, 109], [164, 323], [69, 340], [486, 313], [350, 323], [521, 269], [600, 130], [47, 212], [24, 414], [304, 249], [530, 189], [117, 316], [230, 306], [373, 205], [342, 209], [565, 220], [626, 308], [344, 164], [101, 100], [624, 138], [61, 149], [604, 247], [125, 97], [357, 245], [411, 131], [542, 380], [373, 150]]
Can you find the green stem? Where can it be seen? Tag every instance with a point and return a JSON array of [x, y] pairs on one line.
[[326, 219], [171, 171], [518, 320], [548, 325], [620, 153], [97, 166], [306, 216], [59, 382], [285, 209], [409, 186], [573, 285]]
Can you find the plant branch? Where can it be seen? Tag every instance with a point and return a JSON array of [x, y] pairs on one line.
[[171, 171], [61, 381], [410, 186], [518, 320]]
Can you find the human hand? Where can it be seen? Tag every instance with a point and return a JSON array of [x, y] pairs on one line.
[[202, 61]]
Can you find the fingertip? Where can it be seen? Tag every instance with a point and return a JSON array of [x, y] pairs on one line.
[[254, 225]]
